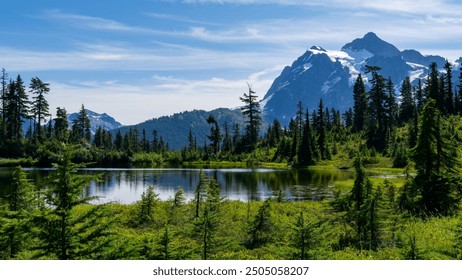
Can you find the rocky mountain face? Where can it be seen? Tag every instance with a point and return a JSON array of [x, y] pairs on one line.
[[330, 75]]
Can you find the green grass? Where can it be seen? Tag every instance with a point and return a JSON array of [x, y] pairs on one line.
[[25, 162]]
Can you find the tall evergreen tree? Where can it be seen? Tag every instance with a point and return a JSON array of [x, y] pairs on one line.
[[191, 140], [215, 135], [360, 104], [261, 228], [391, 105], [293, 133], [363, 209], [348, 118], [65, 233], [251, 109], [406, 109], [323, 147], [40, 107], [359, 194], [81, 126], [432, 87], [305, 151], [146, 207], [17, 109], [378, 97], [227, 144], [448, 88], [118, 141], [419, 95], [435, 157], [16, 219], [299, 118], [61, 125], [207, 213], [308, 233]]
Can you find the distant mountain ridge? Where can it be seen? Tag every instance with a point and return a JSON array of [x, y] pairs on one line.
[[174, 129], [330, 75]]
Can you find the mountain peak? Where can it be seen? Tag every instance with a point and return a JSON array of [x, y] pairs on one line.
[[373, 44], [317, 48], [371, 36]]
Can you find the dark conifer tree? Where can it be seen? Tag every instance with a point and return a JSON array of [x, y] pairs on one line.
[[377, 95], [227, 144], [192, 145], [305, 151], [215, 135], [61, 125], [208, 220], [360, 104], [435, 157], [275, 134], [432, 87], [66, 234], [299, 118], [251, 110], [261, 227], [391, 105], [293, 130], [407, 106], [236, 136], [419, 96], [118, 141], [81, 127], [16, 219], [348, 118], [40, 107], [17, 109], [448, 88], [146, 207], [156, 145], [308, 232], [323, 147]]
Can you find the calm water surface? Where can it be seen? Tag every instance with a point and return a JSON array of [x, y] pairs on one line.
[[127, 185]]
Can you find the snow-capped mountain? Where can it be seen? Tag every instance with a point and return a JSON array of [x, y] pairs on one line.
[[330, 75], [97, 120]]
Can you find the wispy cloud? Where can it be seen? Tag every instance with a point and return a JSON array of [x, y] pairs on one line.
[[179, 18], [400, 6], [109, 57], [96, 23]]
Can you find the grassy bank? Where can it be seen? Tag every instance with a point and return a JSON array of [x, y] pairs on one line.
[[433, 238]]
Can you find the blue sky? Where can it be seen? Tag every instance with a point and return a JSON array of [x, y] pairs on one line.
[[140, 59]]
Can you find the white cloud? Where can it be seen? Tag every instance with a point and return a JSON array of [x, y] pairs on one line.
[[165, 95], [96, 23], [178, 18], [107, 57]]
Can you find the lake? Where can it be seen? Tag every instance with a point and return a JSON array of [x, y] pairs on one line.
[[127, 185]]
